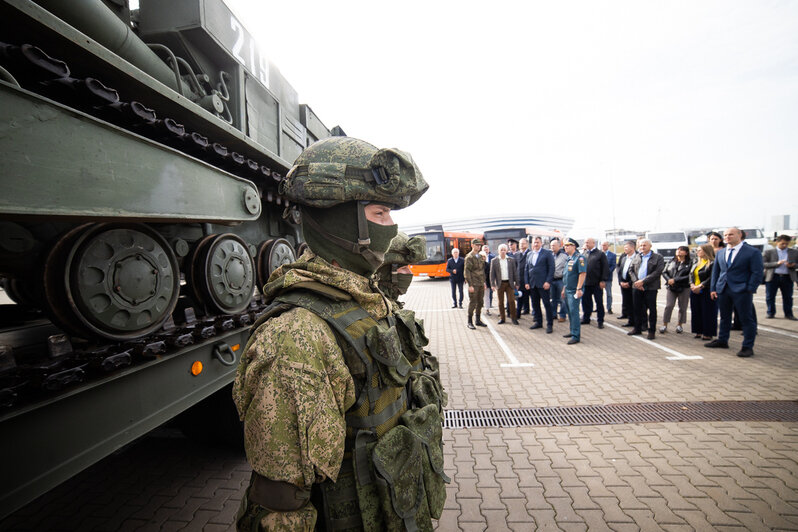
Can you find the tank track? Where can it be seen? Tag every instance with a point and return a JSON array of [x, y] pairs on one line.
[[46, 364]]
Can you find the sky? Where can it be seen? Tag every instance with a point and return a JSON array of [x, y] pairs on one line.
[[629, 114]]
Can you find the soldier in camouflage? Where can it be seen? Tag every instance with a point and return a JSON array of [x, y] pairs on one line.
[[475, 277], [342, 407]]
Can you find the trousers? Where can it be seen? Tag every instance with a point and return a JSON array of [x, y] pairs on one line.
[[455, 286], [703, 314], [539, 294], [505, 290], [743, 302], [779, 282], [475, 300], [593, 292], [572, 303], [645, 305], [672, 297]]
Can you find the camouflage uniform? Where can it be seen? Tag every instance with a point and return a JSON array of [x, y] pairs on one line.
[[344, 410], [475, 277]]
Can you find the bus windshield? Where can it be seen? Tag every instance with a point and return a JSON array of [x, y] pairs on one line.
[[435, 249]]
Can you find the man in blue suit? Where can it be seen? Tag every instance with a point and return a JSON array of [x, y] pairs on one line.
[[538, 277], [455, 266], [736, 275]]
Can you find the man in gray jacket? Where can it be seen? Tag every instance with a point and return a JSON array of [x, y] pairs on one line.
[[645, 272], [780, 274]]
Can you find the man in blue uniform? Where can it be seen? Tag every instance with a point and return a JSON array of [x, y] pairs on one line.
[[573, 282]]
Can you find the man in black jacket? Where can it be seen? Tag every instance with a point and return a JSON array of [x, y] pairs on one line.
[[455, 266], [645, 273], [597, 270]]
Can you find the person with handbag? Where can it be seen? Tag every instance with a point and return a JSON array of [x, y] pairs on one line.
[[677, 282]]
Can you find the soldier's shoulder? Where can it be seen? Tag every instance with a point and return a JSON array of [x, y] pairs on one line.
[[292, 325]]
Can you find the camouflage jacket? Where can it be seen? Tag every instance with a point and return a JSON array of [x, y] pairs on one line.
[[474, 270], [293, 388]]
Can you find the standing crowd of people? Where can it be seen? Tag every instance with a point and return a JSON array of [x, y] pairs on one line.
[[719, 280]]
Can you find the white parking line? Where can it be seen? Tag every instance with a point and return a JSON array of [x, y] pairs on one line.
[[676, 355], [514, 363], [759, 327]]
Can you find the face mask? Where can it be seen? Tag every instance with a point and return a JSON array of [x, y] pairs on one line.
[[403, 281], [381, 236]]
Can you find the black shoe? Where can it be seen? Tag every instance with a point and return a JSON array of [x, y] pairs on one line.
[[479, 323], [791, 318], [500, 322], [745, 352], [461, 305], [487, 312], [585, 322], [600, 325], [634, 332], [515, 322], [622, 317], [569, 335], [535, 326], [549, 329], [651, 335], [454, 306], [470, 324], [717, 343], [770, 316], [572, 341], [609, 311], [628, 325]]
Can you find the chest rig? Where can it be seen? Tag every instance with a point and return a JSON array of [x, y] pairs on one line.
[[392, 475]]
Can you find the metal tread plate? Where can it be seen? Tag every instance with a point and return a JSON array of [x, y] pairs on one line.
[[547, 416]]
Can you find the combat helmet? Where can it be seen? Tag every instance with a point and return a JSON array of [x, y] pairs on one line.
[[333, 179], [404, 250]]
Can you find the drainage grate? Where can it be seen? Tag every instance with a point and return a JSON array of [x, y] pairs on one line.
[[623, 413]]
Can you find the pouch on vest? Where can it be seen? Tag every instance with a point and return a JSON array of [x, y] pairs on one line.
[[384, 346], [425, 390], [425, 423], [399, 458], [411, 332]]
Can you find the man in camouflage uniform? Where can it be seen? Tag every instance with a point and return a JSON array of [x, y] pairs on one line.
[[341, 406], [475, 277]]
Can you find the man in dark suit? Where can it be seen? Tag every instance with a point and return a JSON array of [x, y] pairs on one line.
[[538, 276], [455, 267], [503, 279], [780, 275], [645, 272], [736, 275], [597, 269], [612, 262], [625, 281]]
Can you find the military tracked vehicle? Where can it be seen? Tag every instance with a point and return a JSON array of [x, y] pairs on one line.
[[142, 153]]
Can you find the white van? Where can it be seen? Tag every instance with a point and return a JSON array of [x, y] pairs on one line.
[[755, 238], [667, 242]]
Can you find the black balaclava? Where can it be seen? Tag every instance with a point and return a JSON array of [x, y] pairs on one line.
[[334, 233]]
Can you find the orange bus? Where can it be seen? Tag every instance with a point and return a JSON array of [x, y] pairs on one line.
[[439, 250]]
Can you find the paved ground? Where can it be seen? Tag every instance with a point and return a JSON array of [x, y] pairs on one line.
[[653, 476]]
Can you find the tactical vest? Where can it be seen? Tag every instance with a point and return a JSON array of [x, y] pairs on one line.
[[391, 477]]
